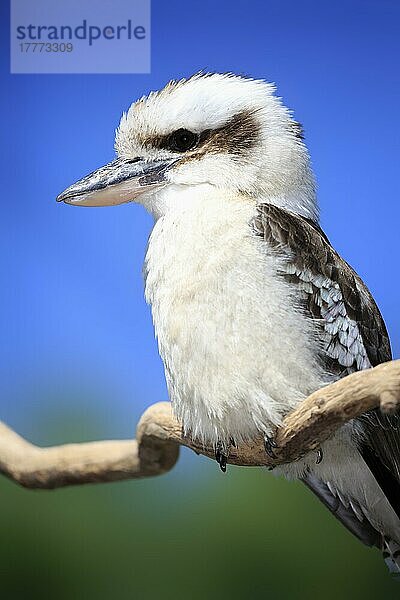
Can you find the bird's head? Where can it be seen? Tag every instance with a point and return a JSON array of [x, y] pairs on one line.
[[223, 131]]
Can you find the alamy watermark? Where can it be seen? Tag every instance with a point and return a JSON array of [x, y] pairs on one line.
[[80, 36]]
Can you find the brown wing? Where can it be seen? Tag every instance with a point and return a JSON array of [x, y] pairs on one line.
[[311, 259], [352, 330]]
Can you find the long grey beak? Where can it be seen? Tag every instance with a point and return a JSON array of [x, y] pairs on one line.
[[121, 180]]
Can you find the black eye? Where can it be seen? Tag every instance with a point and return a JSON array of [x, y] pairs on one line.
[[183, 140]]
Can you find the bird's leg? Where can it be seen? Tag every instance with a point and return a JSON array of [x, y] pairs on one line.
[[222, 453], [269, 445]]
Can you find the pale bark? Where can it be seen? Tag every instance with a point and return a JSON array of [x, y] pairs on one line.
[[159, 436]]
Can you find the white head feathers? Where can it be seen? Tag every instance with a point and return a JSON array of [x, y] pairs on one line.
[[251, 145]]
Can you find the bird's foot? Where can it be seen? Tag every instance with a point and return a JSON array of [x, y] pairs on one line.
[[222, 453], [270, 445]]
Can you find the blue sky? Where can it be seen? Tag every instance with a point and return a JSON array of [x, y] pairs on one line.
[[76, 333]]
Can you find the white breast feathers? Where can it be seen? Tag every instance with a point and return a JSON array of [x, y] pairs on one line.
[[238, 354]]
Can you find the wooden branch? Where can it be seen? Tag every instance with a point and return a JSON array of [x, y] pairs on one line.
[[159, 436]]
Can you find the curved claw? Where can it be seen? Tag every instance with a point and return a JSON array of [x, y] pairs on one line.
[[221, 457], [269, 445]]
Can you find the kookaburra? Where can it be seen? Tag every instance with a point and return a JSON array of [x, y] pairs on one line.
[[252, 307]]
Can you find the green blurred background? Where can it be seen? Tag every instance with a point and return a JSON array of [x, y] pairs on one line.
[[193, 533]]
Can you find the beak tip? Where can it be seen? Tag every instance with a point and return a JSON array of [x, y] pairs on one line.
[[62, 197], [65, 198]]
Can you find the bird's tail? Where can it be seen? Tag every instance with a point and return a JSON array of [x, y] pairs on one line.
[[356, 521], [391, 556]]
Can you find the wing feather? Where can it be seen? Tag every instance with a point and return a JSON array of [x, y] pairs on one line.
[[352, 331]]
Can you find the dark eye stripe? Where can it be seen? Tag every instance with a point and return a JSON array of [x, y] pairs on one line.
[[237, 135]]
